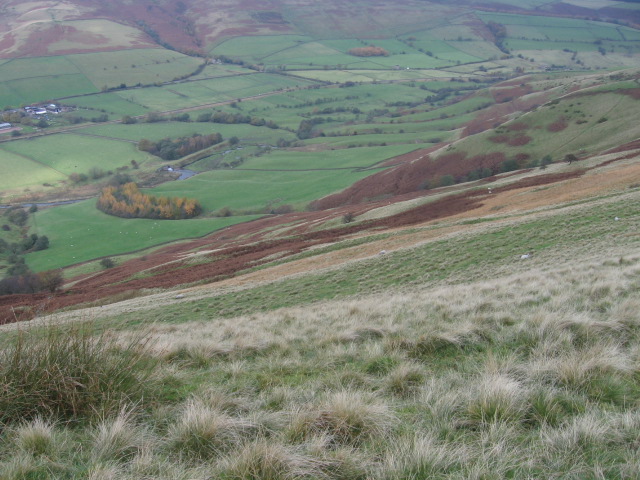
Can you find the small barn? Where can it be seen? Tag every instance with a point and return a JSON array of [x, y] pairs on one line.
[[4, 126]]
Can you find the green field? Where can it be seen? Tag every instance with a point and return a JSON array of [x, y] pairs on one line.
[[253, 191], [29, 80], [71, 153], [114, 104], [256, 48], [19, 171], [351, 158], [157, 131], [191, 94], [145, 66], [73, 231]]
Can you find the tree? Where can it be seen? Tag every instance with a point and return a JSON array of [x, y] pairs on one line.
[[546, 160], [570, 158], [42, 243]]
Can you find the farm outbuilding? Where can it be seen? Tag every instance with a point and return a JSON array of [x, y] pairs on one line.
[[4, 126]]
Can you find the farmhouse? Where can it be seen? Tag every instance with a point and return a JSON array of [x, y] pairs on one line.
[[4, 126]]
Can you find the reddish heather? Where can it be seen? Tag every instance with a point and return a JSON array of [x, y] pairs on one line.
[[558, 125], [519, 140]]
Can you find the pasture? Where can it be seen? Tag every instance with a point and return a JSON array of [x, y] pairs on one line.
[[356, 158], [73, 231], [247, 134], [144, 66], [114, 104], [256, 48], [20, 172], [30, 80], [253, 191], [70, 153], [208, 91]]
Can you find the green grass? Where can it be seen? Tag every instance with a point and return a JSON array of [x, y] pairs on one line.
[[113, 103], [145, 66], [352, 158], [21, 172], [584, 132], [208, 91], [258, 47], [255, 190], [69, 153], [29, 90], [157, 131], [73, 230]]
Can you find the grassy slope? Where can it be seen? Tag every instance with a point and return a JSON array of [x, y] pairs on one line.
[[452, 359]]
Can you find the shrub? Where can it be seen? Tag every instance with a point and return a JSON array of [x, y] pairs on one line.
[[70, 373], [41, 243], [348, 217], [51, 280], [107, 263], [546, 160]]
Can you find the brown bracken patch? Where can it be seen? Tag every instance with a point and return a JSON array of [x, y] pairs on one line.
[[558, 125]]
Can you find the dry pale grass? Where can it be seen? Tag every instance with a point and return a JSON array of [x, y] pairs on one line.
[[204, 432], [36, 437], [118, 439]]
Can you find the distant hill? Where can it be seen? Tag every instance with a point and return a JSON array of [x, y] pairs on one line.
[[47, 28]]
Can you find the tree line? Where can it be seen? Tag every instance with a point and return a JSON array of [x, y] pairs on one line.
[[171, 149], [127, 201]]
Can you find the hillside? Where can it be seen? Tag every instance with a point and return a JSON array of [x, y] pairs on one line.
[[446, 356], [417, 264]]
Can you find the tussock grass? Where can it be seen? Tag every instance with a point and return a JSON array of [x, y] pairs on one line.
[[118, 439], [267, 460], [346, 417], [203, 432], [69, 372]]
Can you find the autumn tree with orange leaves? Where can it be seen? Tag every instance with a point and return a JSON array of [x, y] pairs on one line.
[[127, 201]]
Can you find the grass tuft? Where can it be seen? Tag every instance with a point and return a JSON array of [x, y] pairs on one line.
[[35, 437], [203, 432], [347, 417], [117, 439], [69, 372], [497, 398], [269, 460]]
